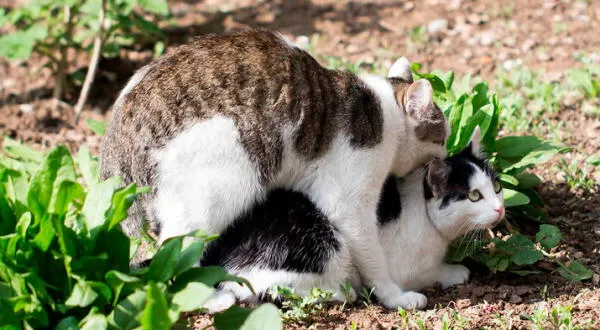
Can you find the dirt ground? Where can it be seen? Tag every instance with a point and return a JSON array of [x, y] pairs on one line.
[[469, 37]]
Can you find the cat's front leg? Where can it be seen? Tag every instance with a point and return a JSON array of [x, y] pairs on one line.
[[450, 275], [369, 258]]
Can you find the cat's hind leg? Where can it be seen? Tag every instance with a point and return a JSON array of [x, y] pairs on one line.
[[205, 179], [220, 301]]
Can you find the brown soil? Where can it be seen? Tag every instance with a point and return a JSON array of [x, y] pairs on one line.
[[475, 38]]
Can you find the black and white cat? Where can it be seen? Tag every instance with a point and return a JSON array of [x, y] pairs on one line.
[[288, 241]]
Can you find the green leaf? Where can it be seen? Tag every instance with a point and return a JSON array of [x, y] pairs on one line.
[[88, 166], [509, 179], [192, 251], [516, 146], [155, 6], [514, 198], [94, 321], [97, 126], [82, 295], [127, 313], [540, 155], [156, 312], [46, 235], [548, 236], [593, 160], [209, 275], [122, 199], [97, 203], [117, 280], [68, 323], [575, 272], [17, 150], [162, 266], [264, 317], [521, 250], [528, 180], [191, 298]]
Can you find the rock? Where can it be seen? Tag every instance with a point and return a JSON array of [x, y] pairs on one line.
[[512, 64], [543, 56], [528, 45], [26, 108], [437, 26], [515, 299], [487, 38], [454, 4], [303, 42], [477, 19], [596, 279], [408, 6], [578, 255], [509, 41]]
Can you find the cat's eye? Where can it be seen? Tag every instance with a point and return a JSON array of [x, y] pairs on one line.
[[497, 187], [474, 195]]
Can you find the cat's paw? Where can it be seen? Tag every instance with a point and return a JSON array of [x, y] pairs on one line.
[[453, 274], [408, 300], [220, 301]]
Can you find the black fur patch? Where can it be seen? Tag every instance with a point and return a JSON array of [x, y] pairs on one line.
[[461, 170], [287, 232], [389, 206]]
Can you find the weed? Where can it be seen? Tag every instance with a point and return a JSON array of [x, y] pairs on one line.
[[346, 289], [300, 309], [366, 296]]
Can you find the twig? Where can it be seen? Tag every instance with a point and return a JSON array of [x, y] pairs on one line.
[[63, 61], [91, 73]]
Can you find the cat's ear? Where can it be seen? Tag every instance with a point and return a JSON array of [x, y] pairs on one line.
[[437, 177], [475, 145], [401, 69], [418, 99]]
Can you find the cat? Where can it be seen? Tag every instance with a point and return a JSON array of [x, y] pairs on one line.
[[288, 241], [213, 125]]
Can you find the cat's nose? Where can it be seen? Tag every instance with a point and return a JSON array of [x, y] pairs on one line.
[[500, 211]]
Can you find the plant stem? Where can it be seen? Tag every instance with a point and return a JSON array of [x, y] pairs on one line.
[[63, 61], [91, 73]]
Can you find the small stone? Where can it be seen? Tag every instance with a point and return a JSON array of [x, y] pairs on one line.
[[578, 255], [408, 6], [544, 56], [454, 4], [509, 41], [595, 279], [302, 42], [515, 299], [26, 108], [487, 38], [477, 19], [528, 45], [437, 26]]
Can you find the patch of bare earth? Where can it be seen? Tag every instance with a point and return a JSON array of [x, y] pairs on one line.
[[468, 37]]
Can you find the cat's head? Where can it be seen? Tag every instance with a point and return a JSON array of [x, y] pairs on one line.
[[426, 125], [463, 192]]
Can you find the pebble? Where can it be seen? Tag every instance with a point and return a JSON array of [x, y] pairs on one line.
[[509, 41], [544, 56], [437, 25], [595, 279], [487, 38], [578, 255], [515, 299], [26, 108], [477, 19], [408, 6], [528, 45]]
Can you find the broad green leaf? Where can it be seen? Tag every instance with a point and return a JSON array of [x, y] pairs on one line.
[[82, 295], [528, 180], [117, 280], [122, 199], [160, 7], [156, 312], [575, 272], [68, 323], [593, 160], [97, 203], [45, 192], [192, 251], [20, 151], [540, 155], [127, 313], [94, 322], [46, 234], [516, 146], [264, 317], [209, 275], [514, 198], [162, 266], [97, 127], [521, 250], [509, 179], [548, 236], [191, 298], [88, 166]]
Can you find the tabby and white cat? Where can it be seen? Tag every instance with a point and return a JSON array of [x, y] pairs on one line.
[[215, 124], [288, 241]]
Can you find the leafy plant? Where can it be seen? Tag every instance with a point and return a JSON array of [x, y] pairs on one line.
[[51, 28], [300, 309], [511, 156], [64, 262]]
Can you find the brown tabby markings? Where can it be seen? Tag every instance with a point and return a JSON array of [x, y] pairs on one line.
[[257, 80]]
